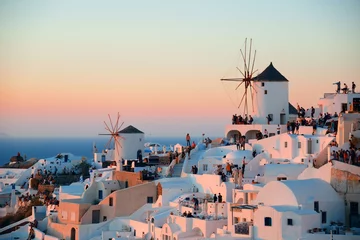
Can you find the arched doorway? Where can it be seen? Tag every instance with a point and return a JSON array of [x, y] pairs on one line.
[[252, 134], [73, 234], [233, 135], [240, 201]]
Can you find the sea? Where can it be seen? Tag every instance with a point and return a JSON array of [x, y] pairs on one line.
[[50, 147]]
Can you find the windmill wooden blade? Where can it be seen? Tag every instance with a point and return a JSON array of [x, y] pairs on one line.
[[112, 126], [249, 57], [107, 127], [245, 105], [240, 71], [108, 144], [239, 85], [254, 72], [232, 79], [241, 100], [120, 127], [245, 67], [117, 122], [252, 68]]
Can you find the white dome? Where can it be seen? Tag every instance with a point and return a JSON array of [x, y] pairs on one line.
[[239, 155]]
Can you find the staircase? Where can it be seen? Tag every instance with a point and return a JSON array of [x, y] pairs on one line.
[[178, 169]]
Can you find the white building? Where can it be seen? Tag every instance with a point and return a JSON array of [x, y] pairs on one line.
[[132, 142], [289, 209], [339, 102], [272, 96]]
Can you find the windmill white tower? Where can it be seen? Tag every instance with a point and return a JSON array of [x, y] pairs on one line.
[[269, 91], [115, 139]]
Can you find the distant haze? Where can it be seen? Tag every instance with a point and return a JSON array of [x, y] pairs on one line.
[[64, 65]]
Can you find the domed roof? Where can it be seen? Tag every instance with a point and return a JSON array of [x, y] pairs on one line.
[[239, 155]]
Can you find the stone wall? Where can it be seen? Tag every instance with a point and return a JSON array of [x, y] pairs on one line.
[[344, 181], [132, 178]]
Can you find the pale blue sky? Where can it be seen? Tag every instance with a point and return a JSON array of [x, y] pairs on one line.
[[111, 56]]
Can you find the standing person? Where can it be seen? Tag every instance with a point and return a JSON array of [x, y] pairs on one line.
[[236, 176], [220, 198], [243, 166], [353, 86], [312, 111], [338, 86], [215, 198], [288, 127], [188, 140], [297, 126], [278, 129], [189, 151], [228, 169], [292, 124], [269, 119], [266, 134], [242, 146], [314, 128], [238, 144]]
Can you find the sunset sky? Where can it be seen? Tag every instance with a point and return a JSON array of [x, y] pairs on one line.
[[64, 65]]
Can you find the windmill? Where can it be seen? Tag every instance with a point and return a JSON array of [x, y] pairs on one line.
[[114, 140], [246, 80]]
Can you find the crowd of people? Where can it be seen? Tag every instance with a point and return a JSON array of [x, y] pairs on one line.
[[345, 89], [351, 156], [238, 119]]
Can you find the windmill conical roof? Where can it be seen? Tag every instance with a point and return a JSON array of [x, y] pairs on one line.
[[130, 129], [292, 109], [270, 74]]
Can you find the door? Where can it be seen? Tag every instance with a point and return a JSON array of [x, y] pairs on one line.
[[356, 105], [344, 107], [95, 216], [282, 118], [73, 234], [100, 194]]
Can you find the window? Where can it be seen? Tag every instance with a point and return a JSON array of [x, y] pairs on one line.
[[317, 140], [281, 178], [64, 214], [262, 84], [354, 208], [205, 167], [72, 216], [289, 222], [100, 194], [265, 92], [285, 145], [111, 202], [104, 219], [316, 206], [149, 199], [268, 221], [323, 217], [236, 220], [302, 160], [299, 144]]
